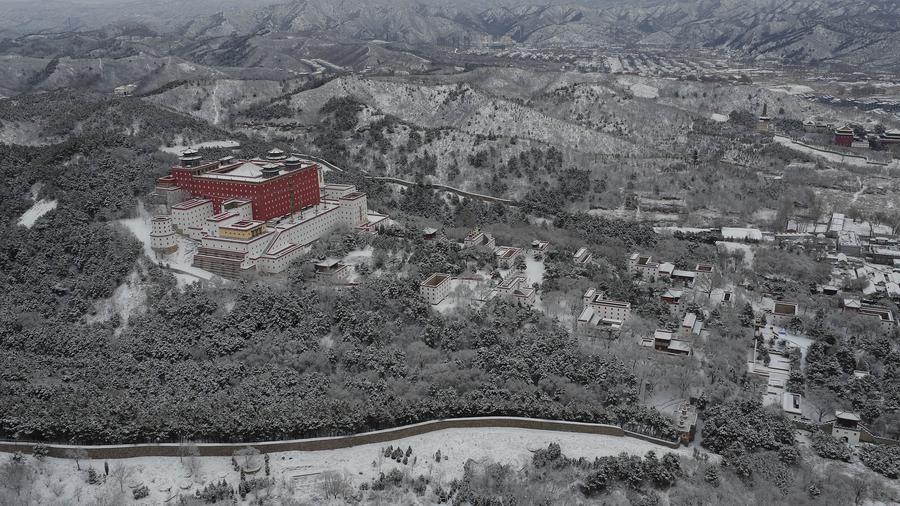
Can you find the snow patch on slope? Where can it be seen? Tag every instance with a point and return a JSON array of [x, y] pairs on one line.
[[178, 148], [34, 213], [644, 91], [128, 299], [792, 89]]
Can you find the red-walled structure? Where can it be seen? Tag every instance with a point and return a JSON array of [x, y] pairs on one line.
[[276, 186], [844, 137]]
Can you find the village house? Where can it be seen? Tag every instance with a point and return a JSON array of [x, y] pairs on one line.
[[665, 270], [332, 271], [582, 256], [683, 277], [429, 234], [791, 405], [643, 266], [538, 246], [782, 313], [883, 315], [849, 243], [507, 255], [846, 427], [600, 314], [515, 290], [479, 239], [721, 297], [436, 288], [676, 299], [666, 341], [691, 325], [885, 255]]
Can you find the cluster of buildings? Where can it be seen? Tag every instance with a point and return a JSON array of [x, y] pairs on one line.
[[839, 233], [776, 370], [846, 137], [644, 267], [253, 215], [860, 253], [880, 314], [514, 288]]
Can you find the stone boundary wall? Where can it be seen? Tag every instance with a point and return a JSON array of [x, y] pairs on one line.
[[824, 149], [436, 186], [333, 443]]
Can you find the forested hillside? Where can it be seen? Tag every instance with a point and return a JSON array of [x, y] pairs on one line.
[[256, 360]]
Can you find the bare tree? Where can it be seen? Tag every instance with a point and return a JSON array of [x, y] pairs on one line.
[[247, 457], [16, 476], [188, 455], [334, 485], [121, 474], [194, 464], [822, 401], [78, 454]]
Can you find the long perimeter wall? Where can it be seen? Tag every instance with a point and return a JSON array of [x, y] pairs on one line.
[[333, 443]]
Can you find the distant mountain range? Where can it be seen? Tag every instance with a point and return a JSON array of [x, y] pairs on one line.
[[852, 33]]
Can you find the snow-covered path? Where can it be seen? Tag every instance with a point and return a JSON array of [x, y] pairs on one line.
[[862, 189]]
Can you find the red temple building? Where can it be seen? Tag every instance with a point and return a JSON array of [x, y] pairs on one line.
[[844, 136], [276, 186]]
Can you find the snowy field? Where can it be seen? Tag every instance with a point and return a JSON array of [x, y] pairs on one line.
[[178, 148], [359, 257], [742, 234], [40, 208], [644, 91], [534, 270], [297, 473], [792, 89], [686, 230]]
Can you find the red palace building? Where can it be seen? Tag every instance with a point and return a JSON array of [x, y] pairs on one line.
[[277, 185]]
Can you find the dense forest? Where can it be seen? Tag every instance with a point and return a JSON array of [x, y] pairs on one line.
[[256, 360]]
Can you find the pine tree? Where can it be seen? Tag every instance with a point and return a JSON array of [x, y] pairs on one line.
[[712, 475]]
